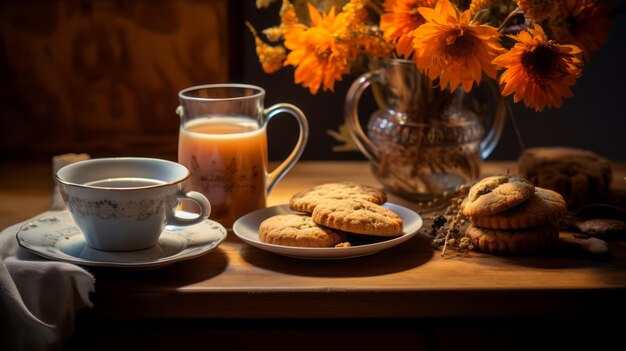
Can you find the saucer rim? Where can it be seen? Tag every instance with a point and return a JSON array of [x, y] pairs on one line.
[[325, 253], [185, 254]]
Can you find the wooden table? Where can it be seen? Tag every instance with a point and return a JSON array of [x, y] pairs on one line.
[[241, 283]]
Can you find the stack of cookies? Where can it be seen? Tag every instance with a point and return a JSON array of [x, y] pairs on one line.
[[331, 212], [510, 216]]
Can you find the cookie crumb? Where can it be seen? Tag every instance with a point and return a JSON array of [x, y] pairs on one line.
[[344, 244]]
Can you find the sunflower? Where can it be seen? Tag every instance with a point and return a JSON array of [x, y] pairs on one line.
[[538, 70], [317, 53], [400, 18], [583, 23], [450, 47]]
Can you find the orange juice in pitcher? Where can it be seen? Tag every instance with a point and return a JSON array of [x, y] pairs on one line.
[[223, 142], [227, 157]]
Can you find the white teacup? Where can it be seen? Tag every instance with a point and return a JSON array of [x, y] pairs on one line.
[[123, 204]]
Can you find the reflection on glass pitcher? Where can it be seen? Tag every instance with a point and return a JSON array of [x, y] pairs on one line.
[[424, 141], [223, 142]]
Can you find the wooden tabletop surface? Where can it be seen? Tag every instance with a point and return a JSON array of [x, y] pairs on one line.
[[410, 280]]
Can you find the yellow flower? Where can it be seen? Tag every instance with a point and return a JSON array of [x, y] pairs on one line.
[[370, 40], [273, 33], [319, 57], [363, 36], [263, 3], [477, 5], [270, 57], [583, 23], [354, 12], [449, 47], [400, 18], [537, 10], [288, 17], [539, 71]]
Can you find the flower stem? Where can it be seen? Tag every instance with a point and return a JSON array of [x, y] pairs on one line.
[[518, 134], [508, 18], [374, 6]]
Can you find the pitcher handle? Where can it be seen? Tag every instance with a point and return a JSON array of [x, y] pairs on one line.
[[280, 171], [493, 136], [367, 147]]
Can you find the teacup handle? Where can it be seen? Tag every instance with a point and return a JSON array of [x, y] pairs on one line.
[[290, 161], [201, 200]]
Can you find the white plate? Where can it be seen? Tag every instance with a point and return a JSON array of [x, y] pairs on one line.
[[247, 227], [55, 236]]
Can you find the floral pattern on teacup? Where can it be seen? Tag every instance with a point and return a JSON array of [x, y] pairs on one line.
[[107, 209]]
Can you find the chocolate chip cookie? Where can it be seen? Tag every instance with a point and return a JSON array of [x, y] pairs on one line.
[[495, 194], [544, 206]]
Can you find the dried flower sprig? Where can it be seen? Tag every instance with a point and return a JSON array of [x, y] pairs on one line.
[[448, 226], [448, 231]]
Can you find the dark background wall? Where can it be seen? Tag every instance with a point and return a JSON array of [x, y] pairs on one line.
[[102, 76]]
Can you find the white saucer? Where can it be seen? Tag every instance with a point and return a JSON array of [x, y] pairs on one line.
[[246, 228], [55, 236]]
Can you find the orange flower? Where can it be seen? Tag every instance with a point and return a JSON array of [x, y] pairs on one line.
[[537, 10], [317, 53], [450, 47], [539, 71], [400, 18], [288, 17], [478, 5], [370, 40], [273, 33], [354, 12], [363, 36], [270, 57], [583, 23]]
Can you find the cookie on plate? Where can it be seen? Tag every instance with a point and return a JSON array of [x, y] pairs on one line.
[[358, 216], [297, 230], [496, 194], [513, 241], [543, 207], [307, 200]]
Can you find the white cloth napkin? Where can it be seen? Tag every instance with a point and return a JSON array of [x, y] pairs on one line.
[[38, 297]]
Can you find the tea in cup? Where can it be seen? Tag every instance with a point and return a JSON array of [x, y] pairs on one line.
[[123, 204], [223, 142]]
